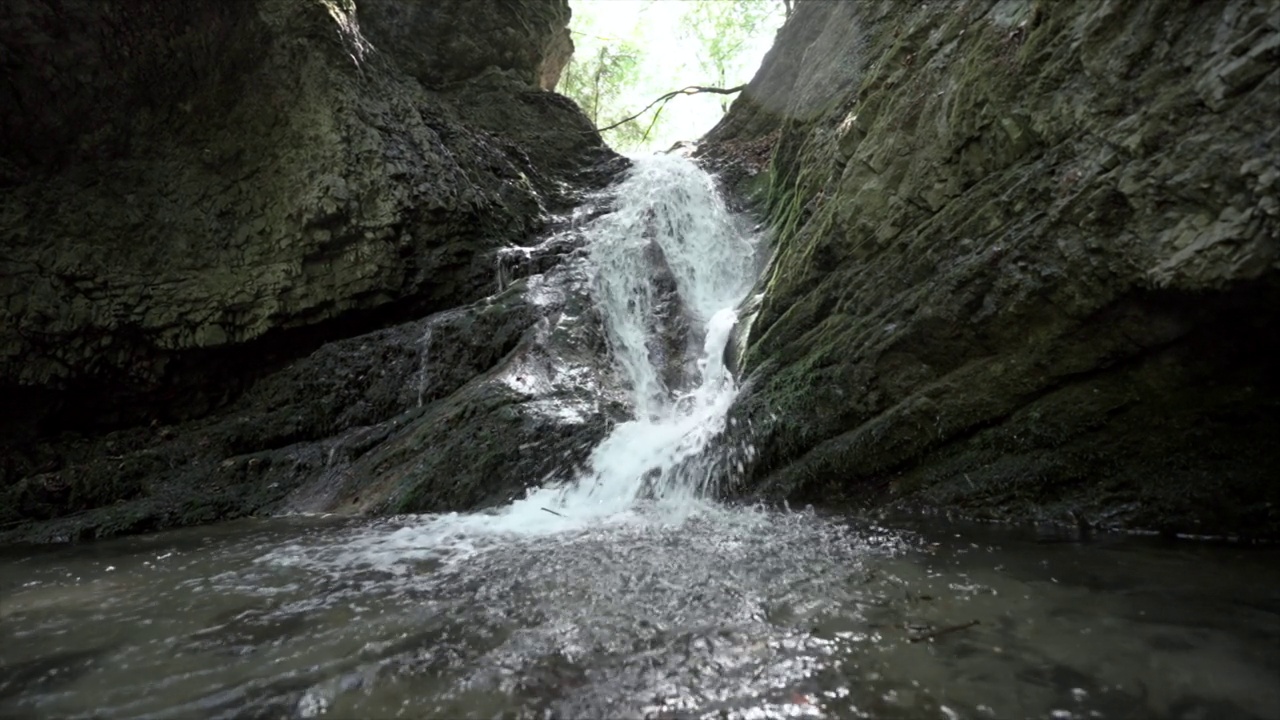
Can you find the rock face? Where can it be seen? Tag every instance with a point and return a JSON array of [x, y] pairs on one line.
[[1026, 261], [191, 188], [463, 408], [197, 195]]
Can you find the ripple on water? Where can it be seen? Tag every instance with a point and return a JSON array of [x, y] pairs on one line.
[[738, 611]]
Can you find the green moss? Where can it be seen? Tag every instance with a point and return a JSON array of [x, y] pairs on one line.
[[955, 309]]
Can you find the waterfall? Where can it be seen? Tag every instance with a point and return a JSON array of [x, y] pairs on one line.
[[669, 265]]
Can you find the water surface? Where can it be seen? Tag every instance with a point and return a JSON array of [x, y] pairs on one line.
[[728, 613]]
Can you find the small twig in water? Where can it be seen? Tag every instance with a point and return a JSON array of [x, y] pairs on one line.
[[943, 631], [553, 512]]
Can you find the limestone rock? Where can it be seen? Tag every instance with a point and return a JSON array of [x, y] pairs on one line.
[[1026, 260], [252, 260], [461, 409], [195, 191]]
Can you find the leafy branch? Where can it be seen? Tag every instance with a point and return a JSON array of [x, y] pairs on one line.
[[666, 98]]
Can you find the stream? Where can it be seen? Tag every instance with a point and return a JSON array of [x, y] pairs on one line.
[[630, 591]]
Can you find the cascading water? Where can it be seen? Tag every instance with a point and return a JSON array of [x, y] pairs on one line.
[[669, 265]]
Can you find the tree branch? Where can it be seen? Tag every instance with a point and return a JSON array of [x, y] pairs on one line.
[[664, 99], [944, 631]]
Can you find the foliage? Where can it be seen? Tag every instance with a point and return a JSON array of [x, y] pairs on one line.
[[596, 78], [720, 30], [622, 60]]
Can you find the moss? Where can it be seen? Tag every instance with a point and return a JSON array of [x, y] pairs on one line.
[[959, 312]]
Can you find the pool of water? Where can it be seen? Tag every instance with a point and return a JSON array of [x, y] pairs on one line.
[[739, 613]]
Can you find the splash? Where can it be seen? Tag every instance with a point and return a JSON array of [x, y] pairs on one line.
[[669, 265]]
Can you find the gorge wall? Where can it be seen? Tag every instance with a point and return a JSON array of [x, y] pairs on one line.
[[183, 178], [197, 195], [279, 255], [1026, 260]]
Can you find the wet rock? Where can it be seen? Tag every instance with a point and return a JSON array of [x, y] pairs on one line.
[[461, 409], [1026, 261], [531, 418], [249, 259], [197, 192], [668, 323]]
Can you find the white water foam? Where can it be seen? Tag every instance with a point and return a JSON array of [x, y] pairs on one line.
[[668, 226], [669, 221]]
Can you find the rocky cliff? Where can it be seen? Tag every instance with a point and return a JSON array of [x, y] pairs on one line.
[[1026, 260], [196, 195]]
